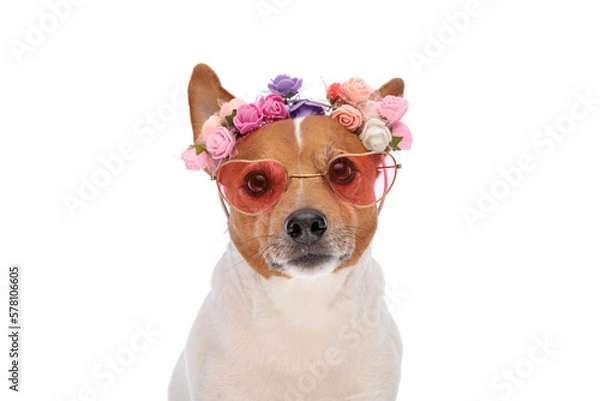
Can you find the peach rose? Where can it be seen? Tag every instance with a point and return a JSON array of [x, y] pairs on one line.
[[208, 128], [356, 90], [349, 117], [227, 108]]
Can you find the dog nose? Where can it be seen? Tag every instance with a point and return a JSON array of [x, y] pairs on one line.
[[306, 226]]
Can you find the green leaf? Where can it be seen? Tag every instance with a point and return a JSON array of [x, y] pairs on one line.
[[395, 141], [199, 149], [230, 117]]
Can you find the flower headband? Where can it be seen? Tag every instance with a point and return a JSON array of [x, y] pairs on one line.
[[353, 103]]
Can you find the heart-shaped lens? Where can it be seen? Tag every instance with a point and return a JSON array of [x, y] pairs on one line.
[[362, 179], [252, 186]]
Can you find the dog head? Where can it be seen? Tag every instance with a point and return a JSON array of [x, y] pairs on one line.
[[311, 228]]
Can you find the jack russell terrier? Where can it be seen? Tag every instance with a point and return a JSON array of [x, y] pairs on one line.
[[296, 309]]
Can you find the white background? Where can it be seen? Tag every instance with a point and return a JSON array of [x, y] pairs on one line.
[[470, 300]]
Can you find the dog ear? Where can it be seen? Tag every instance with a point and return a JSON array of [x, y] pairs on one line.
[[394, 87], [205, 95]]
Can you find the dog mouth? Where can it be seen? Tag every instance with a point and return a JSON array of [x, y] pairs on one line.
[[308, 261]]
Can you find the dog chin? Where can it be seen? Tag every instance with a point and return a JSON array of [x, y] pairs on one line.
[[308, 265]]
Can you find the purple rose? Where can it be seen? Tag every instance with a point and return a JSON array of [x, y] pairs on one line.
[[273, 107], [285, 85], [248, 118], [306, 108]]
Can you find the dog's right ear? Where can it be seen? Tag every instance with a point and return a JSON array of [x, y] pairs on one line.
[[205, 95], [394, 87]]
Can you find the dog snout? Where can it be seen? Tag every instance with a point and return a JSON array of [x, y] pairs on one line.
[[306, 226]]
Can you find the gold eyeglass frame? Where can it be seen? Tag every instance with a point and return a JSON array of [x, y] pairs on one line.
[[223, 200]]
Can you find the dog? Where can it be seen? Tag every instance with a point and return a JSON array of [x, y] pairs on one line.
[[296, 308]]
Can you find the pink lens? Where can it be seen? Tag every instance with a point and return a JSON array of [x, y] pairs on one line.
[[363, 179], [252, 186]]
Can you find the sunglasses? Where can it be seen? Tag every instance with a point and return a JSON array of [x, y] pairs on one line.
[[253, 186]]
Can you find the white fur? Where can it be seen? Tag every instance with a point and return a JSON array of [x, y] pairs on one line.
[[299, 142], [298, 132], [322, 338]]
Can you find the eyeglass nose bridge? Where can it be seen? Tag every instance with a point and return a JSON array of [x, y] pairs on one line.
[[313, 175], [301, 176]]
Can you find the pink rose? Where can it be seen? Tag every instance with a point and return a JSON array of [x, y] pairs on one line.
[[208, 127], [400, 129], [220, 143], [248, 118], [348, 116], [227, 108], [273, 107], [392, 108], [356, 90], [197, 162]]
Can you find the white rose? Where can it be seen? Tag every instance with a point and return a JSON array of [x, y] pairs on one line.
[[375, 135]]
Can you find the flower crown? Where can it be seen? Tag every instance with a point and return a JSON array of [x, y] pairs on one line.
[[353, 103]]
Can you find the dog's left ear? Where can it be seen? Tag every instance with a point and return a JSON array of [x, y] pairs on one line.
[[205, 95], [394, 87]]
